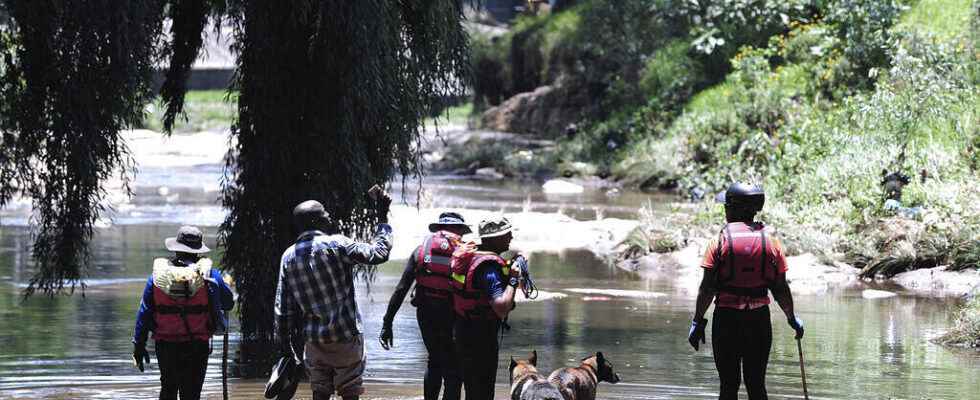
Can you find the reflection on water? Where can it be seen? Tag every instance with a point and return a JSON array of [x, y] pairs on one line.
[[75, 347]]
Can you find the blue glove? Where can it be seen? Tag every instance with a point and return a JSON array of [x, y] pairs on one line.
[[696, 334], [797, 325]]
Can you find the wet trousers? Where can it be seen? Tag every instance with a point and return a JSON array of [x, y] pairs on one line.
[[741, 340], [182, 368], [477, 349], [436, 324]]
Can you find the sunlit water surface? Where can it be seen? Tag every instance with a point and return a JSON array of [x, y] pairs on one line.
[[79, 347]]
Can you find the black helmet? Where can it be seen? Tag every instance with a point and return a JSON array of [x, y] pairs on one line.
[[310, 214], [743, 196]]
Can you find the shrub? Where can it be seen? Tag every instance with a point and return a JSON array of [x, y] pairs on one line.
[[966, 328], [862, 26]]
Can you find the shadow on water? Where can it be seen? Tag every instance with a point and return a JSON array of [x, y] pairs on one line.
[[78, 347]]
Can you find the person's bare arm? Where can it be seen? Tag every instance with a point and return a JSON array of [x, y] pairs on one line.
[[505, 303], [502, 305], [706, 293], [780, 292]]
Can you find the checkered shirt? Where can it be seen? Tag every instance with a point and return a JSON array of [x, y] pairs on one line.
[[316, 284]]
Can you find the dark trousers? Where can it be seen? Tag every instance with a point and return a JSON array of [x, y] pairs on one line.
[[741, 340], [182, 368], [436, 324], [477, 347]]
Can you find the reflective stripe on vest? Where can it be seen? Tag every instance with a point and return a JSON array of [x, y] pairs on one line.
[[433, 264], [470, 302], [748, 268]]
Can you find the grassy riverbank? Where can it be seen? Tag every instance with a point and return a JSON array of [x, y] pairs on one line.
[[813, 102], [818, 103], [203, 110]]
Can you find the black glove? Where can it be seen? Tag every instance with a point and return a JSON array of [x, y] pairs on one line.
[[382, 202], [387, 337], [140, 355], [797, 325], [696, 334]]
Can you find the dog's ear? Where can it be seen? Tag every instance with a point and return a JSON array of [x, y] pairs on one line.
[[534, 358], [599, 358], [513, 364]]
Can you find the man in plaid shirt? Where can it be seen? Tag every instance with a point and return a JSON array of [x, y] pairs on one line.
[[316, 294]]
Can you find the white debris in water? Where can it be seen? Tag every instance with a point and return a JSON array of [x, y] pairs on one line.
[[558, 186], [877, 294], [542, 296], [636, 294], [535, 231]]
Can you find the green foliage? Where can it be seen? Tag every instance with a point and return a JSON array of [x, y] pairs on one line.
[[863, 28], [508, 158], [74, 75], [946, 20], [332, 97], [188, 19], [966, 328], [202, 110], [820, 157], [489, 80], [721, 28]]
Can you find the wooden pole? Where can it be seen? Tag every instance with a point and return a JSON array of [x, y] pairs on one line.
[[799, 346], [224, 366]]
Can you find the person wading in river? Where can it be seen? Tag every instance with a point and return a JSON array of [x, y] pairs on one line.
[[484, 287], [316, 289], [741, 267], [429, 268], [184, 303]]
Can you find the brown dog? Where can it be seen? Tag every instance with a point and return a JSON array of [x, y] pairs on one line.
[[527, 384], [580, 383]]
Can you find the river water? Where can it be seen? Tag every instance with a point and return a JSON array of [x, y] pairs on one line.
[[78, 347]]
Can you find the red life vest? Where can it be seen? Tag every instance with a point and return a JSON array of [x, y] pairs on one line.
[[181, 315], [468, 301], [748, 261], [433, 264]]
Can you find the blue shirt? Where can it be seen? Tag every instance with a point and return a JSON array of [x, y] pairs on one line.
[[316, 284]]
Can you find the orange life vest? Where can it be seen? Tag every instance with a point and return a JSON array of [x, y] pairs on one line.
[[433, 265], [749, 261], [182, 309], [470, 302]]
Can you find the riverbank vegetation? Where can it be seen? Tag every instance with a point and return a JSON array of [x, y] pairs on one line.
[[966, 330], [834, 107], [203, 110], [813, 100]]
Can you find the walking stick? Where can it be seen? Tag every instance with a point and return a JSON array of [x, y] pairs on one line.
[[799, 346], [224, 366]]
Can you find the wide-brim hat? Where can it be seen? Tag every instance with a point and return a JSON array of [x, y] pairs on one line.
[[495, 226], [189, 239], [450, 219]]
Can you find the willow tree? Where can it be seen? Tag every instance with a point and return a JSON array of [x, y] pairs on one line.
[[332, 98], [74, 73]]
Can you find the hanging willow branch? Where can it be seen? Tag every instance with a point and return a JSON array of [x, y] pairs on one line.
[[188, 20], [332, 95], [80, 73]]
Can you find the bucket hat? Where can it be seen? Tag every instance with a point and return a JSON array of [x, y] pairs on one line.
[[449, 219], [494, 226], [189, 239]]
